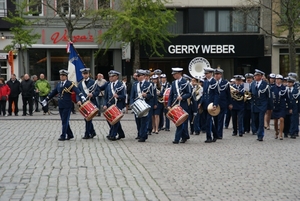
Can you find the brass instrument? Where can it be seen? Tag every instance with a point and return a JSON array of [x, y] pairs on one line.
[[235, 95], [197, 93], [159, 99], [247, 95]]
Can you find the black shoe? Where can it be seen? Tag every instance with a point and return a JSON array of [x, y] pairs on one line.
[[112, 138], [137, 138], [286, 136], [86, 137], [99, 115], [93, 135], [260, 139], [293, 137], [23, 114], [9, 115], [63, 139], [174, 142], [71, 137], [119, 138], [16, 115], [234, 134], [149, 133], [163, 128], [191, 133], [254, 133], [156, 132], [214, 140], [219, 138], [141, 140], [197, 133], [208, 141], [183, 140], [167, 129], [241, 135], [297, 135], [226, 127], [30, 114], [37, 111]]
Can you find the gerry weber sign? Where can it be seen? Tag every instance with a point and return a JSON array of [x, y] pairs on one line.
[[210, 46], [201, 49]]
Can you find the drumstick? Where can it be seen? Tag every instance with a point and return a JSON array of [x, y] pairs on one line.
[[175, 100]]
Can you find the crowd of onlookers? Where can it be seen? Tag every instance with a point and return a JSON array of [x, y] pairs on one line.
[[34, 90]]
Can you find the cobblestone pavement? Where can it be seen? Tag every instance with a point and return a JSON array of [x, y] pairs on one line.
[[34, 165]]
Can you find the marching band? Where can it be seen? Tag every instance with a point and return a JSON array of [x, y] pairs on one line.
[[194, 104]]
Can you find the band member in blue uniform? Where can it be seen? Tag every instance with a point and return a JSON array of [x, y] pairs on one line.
[[142, 90], [294, 103], [197, 91], [90, 90], [159, 105], [64, 89], [115, 94], [152, 102], [237, 112], [164, 85], [247, 111], [180, 92], [225, 101], [272, 77], [210, 95], [280, 98], [261, 97], [296, 85], [190, 107], [228, 113]]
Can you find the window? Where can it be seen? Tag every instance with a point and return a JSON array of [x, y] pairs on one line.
[[177, 27], [73, 7], [3, 8], [231, 21], [36, 7], [104, 4]]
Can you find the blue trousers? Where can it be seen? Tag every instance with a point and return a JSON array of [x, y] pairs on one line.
[[149, 125], [294, 124], [238, 121], [219, 122], [166, 119], [89, 128], [65, 118], [196, 123], [259, 117], [181, 132], [210, 127], [143, 125]]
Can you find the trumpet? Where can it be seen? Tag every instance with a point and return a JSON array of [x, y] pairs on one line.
[[235, 95], [247, 95]]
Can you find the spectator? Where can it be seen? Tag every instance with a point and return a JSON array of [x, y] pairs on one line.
[[13, 97], [4, 93], [100, 81], [27, 90], [43, 88], [36, 94]]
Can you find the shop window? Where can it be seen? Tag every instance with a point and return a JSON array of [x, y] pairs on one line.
[[3, 69], [36, 7], [285, 64], [3, 8], [37, 62], [231, 21], [73, 7]]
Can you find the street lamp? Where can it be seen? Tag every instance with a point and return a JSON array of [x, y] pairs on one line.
[[2, 36]]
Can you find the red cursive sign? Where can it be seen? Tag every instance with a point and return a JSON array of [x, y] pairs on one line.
[[56, 37]]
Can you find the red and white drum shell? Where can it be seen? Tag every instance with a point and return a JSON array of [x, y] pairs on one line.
[[113, 114]]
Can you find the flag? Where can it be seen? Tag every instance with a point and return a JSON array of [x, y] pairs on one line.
[[75, 64]]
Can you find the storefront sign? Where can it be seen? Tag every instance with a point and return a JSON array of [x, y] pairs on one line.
[[202, 49], [56, 37]]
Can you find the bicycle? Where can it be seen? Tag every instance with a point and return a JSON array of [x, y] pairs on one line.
[[53, 106]]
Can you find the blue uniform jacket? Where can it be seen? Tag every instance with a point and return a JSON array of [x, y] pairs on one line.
[[120, 90], [210, 93], [185, 93], [280, 97], [294, 101], [146, 88], [261, 97], [93, 88], [225, 95], [64, 94]]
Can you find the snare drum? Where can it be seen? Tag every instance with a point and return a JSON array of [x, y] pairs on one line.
[[88, 110], [113, 115], [140, 108], [177, 115], [166, 96]]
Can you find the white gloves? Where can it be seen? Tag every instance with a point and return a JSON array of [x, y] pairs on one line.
[[83, 99], [44, 102]]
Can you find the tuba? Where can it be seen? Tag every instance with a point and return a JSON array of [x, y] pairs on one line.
[[196, 69]]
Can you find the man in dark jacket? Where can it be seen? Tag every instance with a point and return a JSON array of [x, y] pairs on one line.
[[13, 98], [27, 90]]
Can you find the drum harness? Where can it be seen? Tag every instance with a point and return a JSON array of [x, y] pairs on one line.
[[113, 91]]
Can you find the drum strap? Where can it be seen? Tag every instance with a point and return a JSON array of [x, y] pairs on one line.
[[113, 91], [177, 89], [85, 89], [139, 90]]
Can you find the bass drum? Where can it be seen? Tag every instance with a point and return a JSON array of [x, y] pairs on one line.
[[166, 96]]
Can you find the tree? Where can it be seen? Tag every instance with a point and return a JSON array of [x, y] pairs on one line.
[[285, 20], [77, 14], [141, 22], [23, 34]]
